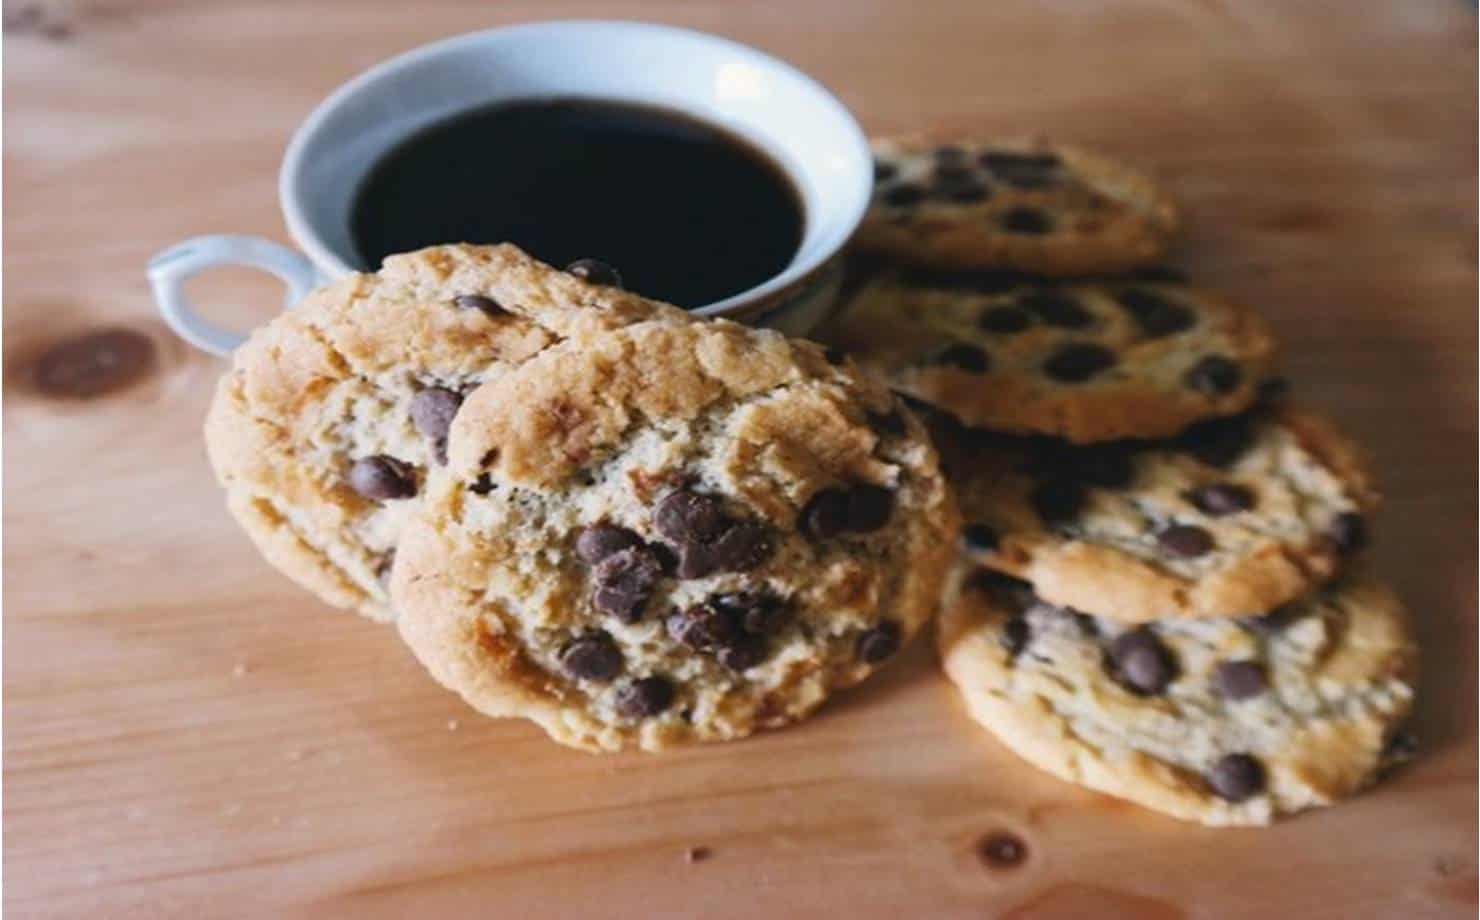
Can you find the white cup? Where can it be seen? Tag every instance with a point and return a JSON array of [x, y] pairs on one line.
[[766, 101]]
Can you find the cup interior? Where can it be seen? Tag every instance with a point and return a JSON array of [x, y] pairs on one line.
[[785, 113]]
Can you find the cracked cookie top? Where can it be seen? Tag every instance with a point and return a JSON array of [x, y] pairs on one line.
[[325, 428], [1088, 360], [1227, 722], [1234, 517], [968, 202], [671, 533]]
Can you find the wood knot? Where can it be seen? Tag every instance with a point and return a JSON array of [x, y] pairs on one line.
[[697, 854], [34, 18], [94, 364], [1002, 850]]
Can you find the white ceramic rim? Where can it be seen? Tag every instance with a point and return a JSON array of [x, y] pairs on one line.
[[844, 224]]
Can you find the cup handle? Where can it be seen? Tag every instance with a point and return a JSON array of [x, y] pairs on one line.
[[170, 268]]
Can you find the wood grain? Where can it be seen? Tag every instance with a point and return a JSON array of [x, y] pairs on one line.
[[186, 734]]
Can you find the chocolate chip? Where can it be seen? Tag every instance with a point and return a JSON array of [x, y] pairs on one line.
[[831, 512], [878, 643], [757, 614], [1026, 220], [1156, 315], [1218, 442], [598, 541], [685, 517], [1348, 531], [1220, 498], [957, 183], [1236, 777], [1005, 320], [1011, 594], [949, 153], [1078, 363], [1141, 662], [433, 409], [1009, 161], [1214, 375], [1055, 308], [482, 485], [644, 697], [825, 515], [834, 356], [594, 656], [666, 557], [1086, 623], [479, 302], [961, 192], [1272, 623], [743, 654], [593, 271], [884, 171], [1023, 170], [980, 538], [703, 627], [951, 172], [967, 357], [1240, 680], [904, 195], [382, 478], [740, 548], [869, 508], [1184, 541], [624, 582], [1016, 633], [889, 423], [1057, 501]]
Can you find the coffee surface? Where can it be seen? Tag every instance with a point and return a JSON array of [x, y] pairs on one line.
[[685, 211]]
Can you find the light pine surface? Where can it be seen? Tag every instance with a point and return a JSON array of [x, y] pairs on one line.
[[187, 734]]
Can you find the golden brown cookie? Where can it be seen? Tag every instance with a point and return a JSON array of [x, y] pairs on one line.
[[324, 430], [1225, 722], [672, 533], [1086, 360], [964, 202], [1233, 518]]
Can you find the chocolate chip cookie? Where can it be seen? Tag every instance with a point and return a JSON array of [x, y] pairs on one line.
[[1226, 722], [1087, 361], [672, 533], [324, 430], [1034, 206], [1234, 517]]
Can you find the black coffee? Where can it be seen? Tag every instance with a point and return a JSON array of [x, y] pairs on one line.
[[686, 212]]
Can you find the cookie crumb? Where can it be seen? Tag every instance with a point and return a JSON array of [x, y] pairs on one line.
[[452, 725], [239, 671], [697, 854]]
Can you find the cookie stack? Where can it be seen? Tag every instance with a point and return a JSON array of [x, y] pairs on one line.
[[582, 507], [1158, 592], [638, 528]]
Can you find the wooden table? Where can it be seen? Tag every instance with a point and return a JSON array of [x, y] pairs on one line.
[[187, 734]]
